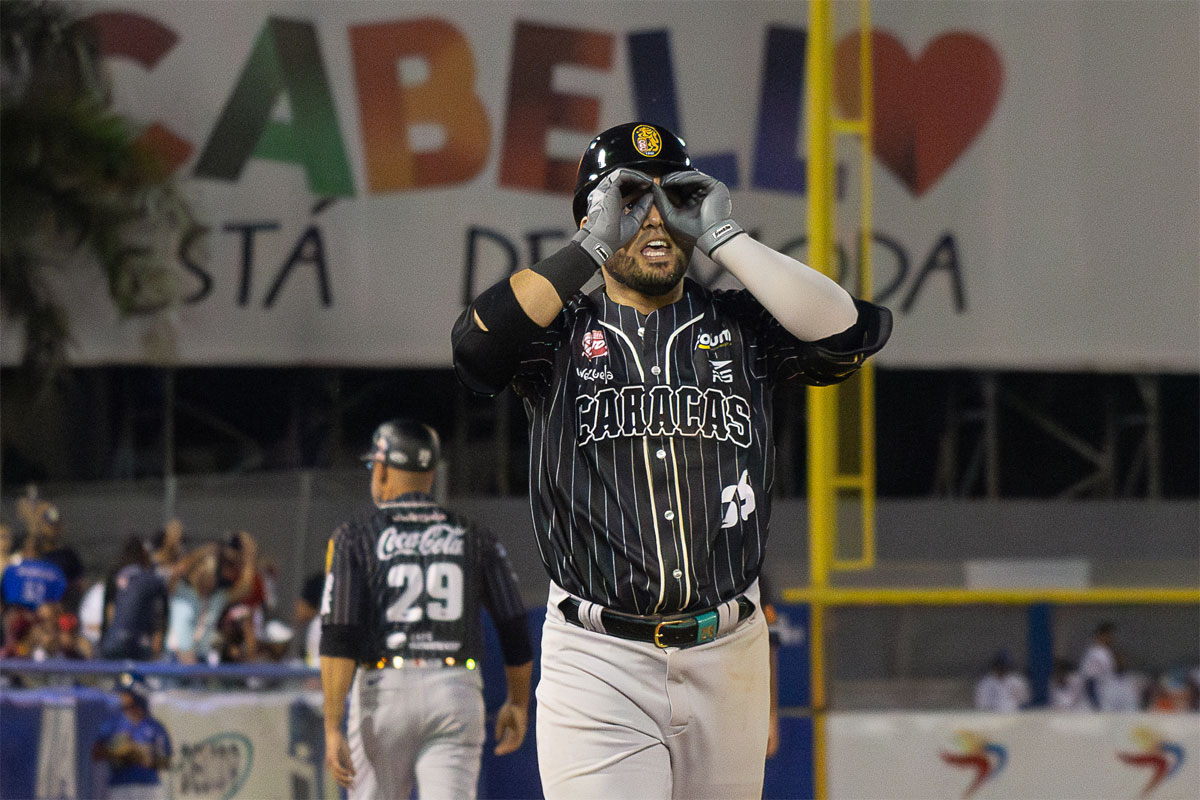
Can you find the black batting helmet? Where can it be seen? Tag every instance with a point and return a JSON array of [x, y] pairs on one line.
[[405, 444], [650, 148]]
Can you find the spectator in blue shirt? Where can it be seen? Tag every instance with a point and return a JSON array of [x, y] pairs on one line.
[[136, 608], [44, 542], [24, 588], [135, 744], [32, 583]]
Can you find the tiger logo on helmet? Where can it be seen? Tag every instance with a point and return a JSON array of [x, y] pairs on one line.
[[647, 141]]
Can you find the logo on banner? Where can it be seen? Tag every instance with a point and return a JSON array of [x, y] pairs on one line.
[[214, 767], [594, 344], [975, 752], [927, 110], [1154, 753]]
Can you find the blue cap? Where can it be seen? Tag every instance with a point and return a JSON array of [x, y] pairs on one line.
[[135, 684]]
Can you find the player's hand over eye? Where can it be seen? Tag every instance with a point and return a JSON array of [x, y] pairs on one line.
[[696, 209], [617, 207]]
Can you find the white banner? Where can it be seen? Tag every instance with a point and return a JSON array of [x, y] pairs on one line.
[[257, 745], [363, 167], [1027, 755]]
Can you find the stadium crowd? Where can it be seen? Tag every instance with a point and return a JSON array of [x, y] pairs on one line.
[[1100, 681], [163, 600]]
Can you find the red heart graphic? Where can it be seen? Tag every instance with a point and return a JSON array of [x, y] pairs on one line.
[[928, 111]]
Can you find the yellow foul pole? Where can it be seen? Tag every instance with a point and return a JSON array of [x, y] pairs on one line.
[[822, 442], [841, 419]]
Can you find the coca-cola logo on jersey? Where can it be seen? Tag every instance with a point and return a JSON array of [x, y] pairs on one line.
[[436, 540]]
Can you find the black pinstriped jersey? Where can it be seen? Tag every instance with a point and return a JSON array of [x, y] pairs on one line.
[[651, 445], [412, 577]]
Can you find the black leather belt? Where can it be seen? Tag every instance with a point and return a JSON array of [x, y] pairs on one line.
[[677, 630]]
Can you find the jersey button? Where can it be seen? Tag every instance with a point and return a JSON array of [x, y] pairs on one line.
[[669, 514], [655, 370], [678, 574], [661, 454], [641, 332]]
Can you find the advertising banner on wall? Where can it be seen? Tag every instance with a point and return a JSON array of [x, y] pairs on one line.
[[1031, 754], [265, 744], [363, 168]]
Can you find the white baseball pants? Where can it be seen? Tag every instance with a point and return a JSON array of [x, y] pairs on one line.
[[625, 719]]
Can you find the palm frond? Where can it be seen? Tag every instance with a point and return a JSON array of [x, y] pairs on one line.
[[74, 180]]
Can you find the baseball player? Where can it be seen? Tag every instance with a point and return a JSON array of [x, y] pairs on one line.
[[651, 458], [134, 743], [400, 621]]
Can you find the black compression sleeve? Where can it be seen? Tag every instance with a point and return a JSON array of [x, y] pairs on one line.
[[514, 640], [485, 361], [502, 315], [567, 269], [343, 641]]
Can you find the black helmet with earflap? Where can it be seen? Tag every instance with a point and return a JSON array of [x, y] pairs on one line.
[[639, 145]]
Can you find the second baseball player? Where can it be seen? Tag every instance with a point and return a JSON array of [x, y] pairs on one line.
[[401, 634]]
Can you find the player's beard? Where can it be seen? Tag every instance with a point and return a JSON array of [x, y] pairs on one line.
[[631, 273]]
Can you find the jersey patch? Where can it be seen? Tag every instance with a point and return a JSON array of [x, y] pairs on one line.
[[712, 341], [722, 372], [594, 344], [594, 375], [663, 411], [436, 540], [738, 500]]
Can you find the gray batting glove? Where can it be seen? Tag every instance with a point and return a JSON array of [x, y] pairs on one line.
[[609, 227], [696, 209]]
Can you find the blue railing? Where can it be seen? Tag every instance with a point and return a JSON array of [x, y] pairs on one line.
[[163, 669]]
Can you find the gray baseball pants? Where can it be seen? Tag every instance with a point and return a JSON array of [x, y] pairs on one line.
[[422, 724]]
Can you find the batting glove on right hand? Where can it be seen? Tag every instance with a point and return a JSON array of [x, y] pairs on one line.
[[609, 227], [696, 209]]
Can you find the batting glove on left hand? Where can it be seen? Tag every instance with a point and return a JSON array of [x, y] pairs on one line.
[[696, 209]]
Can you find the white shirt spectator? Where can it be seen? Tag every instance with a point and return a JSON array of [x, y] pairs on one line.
[[1069, 695], [1097, 667], [1098, 663], [1004, 693], [1122, 692], [91, 613]]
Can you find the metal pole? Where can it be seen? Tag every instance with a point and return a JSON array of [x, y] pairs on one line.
[[822, 433], [170, 486], [991, 434]]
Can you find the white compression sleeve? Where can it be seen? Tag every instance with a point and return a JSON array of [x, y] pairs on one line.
[[805, 302]]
